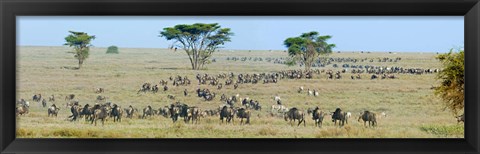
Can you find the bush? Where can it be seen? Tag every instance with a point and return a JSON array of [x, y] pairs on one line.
[[112, 49], [443, 130]]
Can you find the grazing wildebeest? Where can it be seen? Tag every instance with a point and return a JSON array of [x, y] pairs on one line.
[[171, 97], [53, 110], [21, 109], [461, 118], [295, 114], [165, 111], [99, 90], [69, 97], [185, 92], [193, 114], [101, 98], [374, 76], [75, 111], [318, 116], [87, 112], [368, 116], [155, 89], [340, 116], [148, 111], [51, 98], [37, 97], [227, 113], [130, 110], [44, 103], [243, 113], [174, 112], [165, 88], [100, 113], [117, 113]]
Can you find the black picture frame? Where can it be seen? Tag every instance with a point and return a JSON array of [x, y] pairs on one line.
[[9, 9]]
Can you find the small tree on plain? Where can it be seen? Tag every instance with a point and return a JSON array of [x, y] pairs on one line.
[[112, 50], [80, 41], [308, 47]]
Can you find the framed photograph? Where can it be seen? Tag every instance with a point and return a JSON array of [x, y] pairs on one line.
[[239, 76]]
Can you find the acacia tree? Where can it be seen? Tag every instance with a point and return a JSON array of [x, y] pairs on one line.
[[308, 47], [199, 40], [80, 41], [451, 89]]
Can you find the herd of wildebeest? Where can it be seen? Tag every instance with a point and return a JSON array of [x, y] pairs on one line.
[[233, 106]]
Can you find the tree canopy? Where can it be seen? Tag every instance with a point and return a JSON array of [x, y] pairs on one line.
[[199, 40], [308, 47], [80, 41], [451, 88]]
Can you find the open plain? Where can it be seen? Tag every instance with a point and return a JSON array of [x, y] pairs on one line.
[[412, 109]]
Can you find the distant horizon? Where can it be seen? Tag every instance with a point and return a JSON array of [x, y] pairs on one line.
[[120, 48], [349, 33]]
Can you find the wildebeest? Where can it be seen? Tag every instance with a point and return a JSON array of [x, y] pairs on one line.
[[53, 110], [171, 97], [155, 89], [99, 90], [148, 111], [51, 98], [21, 109], [461, 118], [295, 114], [117, 113], [227, 113], [44, 103], [244, 113], [86, 112], [318, 116], [185, 92], [370, 117], [99, 113], [101, 98], [69, 97], [193, 113], [130, 111], [174, 112], [75, 110], [340, 116], [37, 97]]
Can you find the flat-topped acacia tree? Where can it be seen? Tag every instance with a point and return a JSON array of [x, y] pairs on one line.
[[308, 47], [80, 41], [199, 40]]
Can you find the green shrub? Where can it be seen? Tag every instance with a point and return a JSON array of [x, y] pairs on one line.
[[112, 49], [443, 130]]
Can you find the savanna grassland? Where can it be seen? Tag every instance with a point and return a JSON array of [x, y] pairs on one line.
[[413, 110]]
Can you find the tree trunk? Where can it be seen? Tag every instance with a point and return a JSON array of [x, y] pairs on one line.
[[80, 62]]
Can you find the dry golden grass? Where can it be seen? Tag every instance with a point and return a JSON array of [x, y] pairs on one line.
[[413, 111]]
